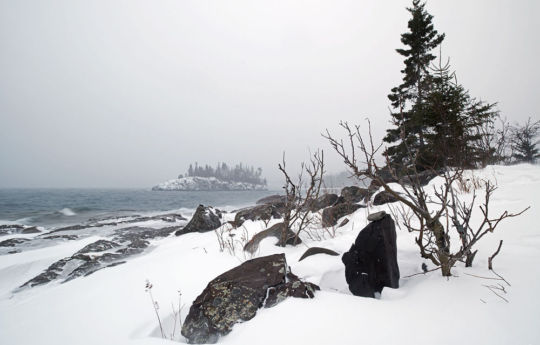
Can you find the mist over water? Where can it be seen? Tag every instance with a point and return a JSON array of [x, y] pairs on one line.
[[53, 207]]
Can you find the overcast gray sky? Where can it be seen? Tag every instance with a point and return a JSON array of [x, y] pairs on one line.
[[127, 93]]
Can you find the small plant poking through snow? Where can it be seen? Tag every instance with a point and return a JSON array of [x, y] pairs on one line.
[[148, 289], [228, 240], [177, 313]]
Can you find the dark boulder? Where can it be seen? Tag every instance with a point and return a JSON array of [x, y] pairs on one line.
[[383, 197], [8, 229], [371, 263], [98, 246], [236, 295], [205, 219], [374, 186], [420, 179], [276, 231], [354, 194], [12, 242], [259, 212], [331, 215], [322, 201], [317, 250], [30, 230], [61, 237], [385, 175]]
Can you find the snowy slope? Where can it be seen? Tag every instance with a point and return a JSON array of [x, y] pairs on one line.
[[112, 307]]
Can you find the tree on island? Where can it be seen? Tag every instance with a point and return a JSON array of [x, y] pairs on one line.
[[239, 173]]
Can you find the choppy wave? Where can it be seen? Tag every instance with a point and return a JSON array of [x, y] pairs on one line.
[[67, 212]]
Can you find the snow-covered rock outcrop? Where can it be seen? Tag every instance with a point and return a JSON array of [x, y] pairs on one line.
[[194, 183]]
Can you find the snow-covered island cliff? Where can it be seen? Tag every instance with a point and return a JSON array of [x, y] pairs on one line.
[[221, 178], [196, 183]]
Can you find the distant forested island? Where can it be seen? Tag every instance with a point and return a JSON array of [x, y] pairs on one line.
[[221, 178]]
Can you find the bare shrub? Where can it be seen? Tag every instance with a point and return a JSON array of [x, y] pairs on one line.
[[435, 218], [299, 194], [494, 141]]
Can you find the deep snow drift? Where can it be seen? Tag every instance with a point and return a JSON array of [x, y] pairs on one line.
[[111, 306]]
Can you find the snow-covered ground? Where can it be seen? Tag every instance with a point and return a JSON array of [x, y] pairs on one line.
[[112, 307], [195, 183]]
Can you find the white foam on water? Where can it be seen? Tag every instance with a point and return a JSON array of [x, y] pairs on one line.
[[67, 212]]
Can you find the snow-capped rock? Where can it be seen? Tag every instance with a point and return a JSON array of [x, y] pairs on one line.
[[194, 183]]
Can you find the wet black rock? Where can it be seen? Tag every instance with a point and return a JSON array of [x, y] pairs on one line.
[[331, 215], [10, 229], [421, 179], [61, 237], [104, 221], [236, 295], [383, 197], [205, 219], [259, 212], [30, 230], [98, 246], [51, 273], [371, 262], [354, 194], [138, 233], [100, 254], [323, 201], [71, 228], [39, 241], [12, 242]]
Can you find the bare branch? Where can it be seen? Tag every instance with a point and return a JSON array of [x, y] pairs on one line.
[[490, 259]]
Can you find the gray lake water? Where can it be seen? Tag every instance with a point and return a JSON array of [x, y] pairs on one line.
[[53, 207]]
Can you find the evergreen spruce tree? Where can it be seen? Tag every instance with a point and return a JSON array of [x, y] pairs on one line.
[[524, 143], [452, 119], [408, 98]]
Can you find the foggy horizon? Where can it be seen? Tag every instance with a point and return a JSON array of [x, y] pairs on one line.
[[117, 94]]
